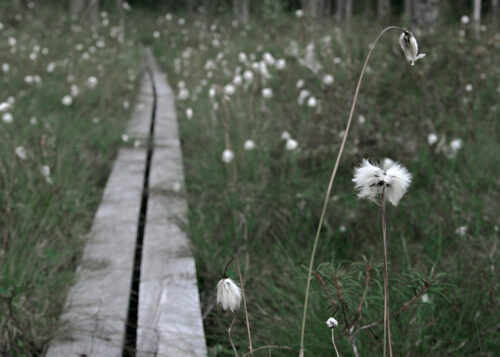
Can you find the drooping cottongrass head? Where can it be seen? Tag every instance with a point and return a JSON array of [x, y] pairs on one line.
[[228, 294], [409, 46], [371, 180], [332, 323]]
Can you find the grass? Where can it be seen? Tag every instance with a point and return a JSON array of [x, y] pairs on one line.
[[265, 205], [45, 219]]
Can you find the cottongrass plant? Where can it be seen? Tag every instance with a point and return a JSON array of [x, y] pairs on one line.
[[230, 296], [332, 323], [409, 46], [379, 185]]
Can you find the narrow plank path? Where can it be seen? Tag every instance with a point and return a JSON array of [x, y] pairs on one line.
[[137, 242]]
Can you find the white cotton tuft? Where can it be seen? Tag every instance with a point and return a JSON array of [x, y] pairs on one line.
[[409, 46], [332, 323], [371, 180], [249, 145], [227, 156], [291, 144], [398, 181], [228, 294]]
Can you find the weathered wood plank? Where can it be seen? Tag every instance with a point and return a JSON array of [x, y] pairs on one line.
[[97, 306], [140, 123], [169, 321]]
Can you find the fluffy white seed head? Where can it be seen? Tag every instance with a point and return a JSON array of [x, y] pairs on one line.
[[67, 100], [456, 144], [291, 144], [249, 145], [285, 135], [267, 93], [332, 323], [328, 79], [228, 294], [371, 180], [227, 156], [280, 64], [432, 138], [409, 46], [248, 75]]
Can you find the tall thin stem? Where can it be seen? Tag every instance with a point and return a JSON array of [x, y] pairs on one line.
[[330, 184], [333, 342], [387, 321], [244, 304], [230, 338]]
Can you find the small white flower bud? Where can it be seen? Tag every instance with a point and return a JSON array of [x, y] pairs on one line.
[[332, 323], [409, 46]]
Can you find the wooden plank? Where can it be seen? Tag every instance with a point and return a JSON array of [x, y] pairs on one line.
[[97, 306], [169, 320], [139, 125]]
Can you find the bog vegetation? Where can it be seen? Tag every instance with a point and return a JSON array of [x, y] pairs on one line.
[[262, 108]]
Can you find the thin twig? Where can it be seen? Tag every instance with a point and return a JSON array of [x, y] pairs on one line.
[[244, 304], [353, 344], [365, 291], [330, 185], [270, 347], [333, 342], [227, 265], [405, 307], [325, 287], [342, 302], [230, 338]]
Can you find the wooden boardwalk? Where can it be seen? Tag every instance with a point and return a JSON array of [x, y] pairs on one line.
[[145, 189]]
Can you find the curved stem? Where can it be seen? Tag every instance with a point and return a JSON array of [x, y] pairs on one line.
[[333, 342], [330, 184]]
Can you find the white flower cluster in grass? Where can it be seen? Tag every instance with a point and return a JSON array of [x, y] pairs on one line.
[[371, 180], [228, 294]]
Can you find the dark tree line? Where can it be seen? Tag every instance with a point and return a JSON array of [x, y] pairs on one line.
[[420, 12]]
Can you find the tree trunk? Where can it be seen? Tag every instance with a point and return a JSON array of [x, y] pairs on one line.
[[476, 17], [383, 8], [93, 9], [314, 8], [241, 10], [339, 9], [494, 11], [76, 7], [407, 11], [191, 5], [348, 13], [425, 12]]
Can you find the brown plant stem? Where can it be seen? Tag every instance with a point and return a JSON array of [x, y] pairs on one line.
[[230, 338], [387, 322], [244, 304], [330, 184], [327, 291], [365, 291], [270, 347]]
